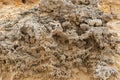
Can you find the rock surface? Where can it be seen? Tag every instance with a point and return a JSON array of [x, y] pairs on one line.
[[59, 40]]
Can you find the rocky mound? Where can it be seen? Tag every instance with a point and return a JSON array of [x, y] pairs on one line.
[[57, 40]]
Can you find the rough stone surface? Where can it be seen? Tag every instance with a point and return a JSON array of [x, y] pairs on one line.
[[57, 40]]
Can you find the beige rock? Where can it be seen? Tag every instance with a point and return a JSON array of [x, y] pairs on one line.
[[59, 40]]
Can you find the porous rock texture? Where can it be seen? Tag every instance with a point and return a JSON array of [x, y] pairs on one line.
[[57, 40]]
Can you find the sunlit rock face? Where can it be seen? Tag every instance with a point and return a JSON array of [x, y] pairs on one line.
[[59, 40], [18, 2], [110, 6]]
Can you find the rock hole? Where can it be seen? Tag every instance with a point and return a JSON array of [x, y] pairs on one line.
[[24, 1]]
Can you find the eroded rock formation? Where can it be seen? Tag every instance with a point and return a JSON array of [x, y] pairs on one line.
[[57, 40]]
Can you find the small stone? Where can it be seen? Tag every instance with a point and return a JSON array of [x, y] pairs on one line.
[[107, 17], [95, 22], [84, 26], [2, 36]]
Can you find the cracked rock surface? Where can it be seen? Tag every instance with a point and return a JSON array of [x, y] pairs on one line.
[[57, 40]]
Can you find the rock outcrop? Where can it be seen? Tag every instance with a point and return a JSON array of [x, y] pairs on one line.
[[57, 40]]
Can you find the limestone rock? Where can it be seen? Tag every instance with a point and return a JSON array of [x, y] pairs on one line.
[[57, 40]]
